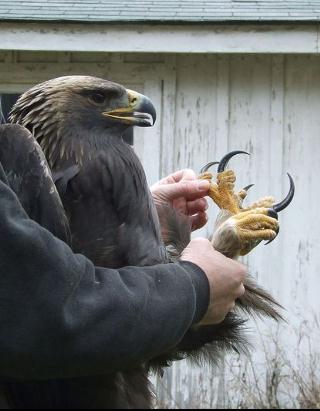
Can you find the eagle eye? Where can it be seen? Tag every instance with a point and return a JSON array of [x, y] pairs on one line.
[[98, 98]]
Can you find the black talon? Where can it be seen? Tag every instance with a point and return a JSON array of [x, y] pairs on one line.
[[273, 212], [206, 167], [284, 203], [248, 187], [270, 241], [225, 160]]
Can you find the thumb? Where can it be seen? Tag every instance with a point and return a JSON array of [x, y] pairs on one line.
[[190, 189]]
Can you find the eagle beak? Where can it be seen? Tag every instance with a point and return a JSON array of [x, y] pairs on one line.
[[139, 112]]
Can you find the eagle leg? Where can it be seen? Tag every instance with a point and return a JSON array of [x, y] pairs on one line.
[[238, 234], [238, 230], [222, 192]]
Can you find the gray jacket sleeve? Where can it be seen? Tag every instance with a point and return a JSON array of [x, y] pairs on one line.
[[62, 317]]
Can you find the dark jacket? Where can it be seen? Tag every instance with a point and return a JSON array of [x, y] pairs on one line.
[[63, 317]]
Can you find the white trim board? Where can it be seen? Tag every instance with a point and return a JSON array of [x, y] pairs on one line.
[[160, 38]]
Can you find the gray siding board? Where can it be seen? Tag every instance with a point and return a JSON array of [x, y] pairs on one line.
[[270, 108], [167, 11]]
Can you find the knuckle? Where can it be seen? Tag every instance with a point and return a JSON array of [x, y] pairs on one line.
[[201, 240], [239, 276], [185, 185], [242, 290], [232, 306], [189, 187], [186, 175], [242, 272], [189, 173], [203, 203]]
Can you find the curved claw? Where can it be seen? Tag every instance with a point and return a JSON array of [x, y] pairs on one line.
[[206, 167], [284, 203], [247, 188], [270, 241], [273, 212], [225, 160], [244, 192]]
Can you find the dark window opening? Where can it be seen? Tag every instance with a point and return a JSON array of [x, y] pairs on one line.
[[6, 103]]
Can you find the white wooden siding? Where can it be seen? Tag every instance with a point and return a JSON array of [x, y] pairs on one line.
[[268, 105], [161, 38]]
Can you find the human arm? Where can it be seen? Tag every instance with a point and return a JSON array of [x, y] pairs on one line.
[[221, 329], [63, 317]]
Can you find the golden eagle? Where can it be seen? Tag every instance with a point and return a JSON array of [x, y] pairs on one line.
[[108, 215]]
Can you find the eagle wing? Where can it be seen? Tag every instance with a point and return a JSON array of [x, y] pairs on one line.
[[30, 178], [112, 217]]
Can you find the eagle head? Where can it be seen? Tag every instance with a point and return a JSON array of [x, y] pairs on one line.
[[73, 116]]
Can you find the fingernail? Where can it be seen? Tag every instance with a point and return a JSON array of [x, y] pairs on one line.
[[203, 185]]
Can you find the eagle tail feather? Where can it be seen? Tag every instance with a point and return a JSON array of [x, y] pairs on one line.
[[204, 345]]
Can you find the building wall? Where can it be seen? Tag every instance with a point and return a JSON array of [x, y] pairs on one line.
[[208, 105], [267, 105]]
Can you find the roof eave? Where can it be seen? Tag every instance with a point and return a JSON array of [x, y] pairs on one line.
[[177, 22], [265, 37]]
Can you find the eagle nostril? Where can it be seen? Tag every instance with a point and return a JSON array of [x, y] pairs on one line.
[[134, 100]]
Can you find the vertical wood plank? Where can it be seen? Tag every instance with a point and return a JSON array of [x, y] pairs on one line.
[[267, 105], [168, 117], [302, 158], [148, 140], [276, 178]]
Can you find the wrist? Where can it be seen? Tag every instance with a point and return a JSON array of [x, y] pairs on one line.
[[202, 289]]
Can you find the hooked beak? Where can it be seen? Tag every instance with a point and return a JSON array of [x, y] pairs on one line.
[[139, 112]]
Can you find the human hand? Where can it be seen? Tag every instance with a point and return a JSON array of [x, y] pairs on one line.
[[225, 278], [184, 192]]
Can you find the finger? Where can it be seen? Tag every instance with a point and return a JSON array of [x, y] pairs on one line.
[[190, 190], [199, 220], [195, 206], [170, 179], [184, 175], [180, 175]]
